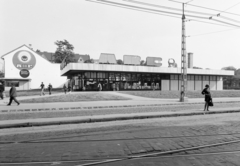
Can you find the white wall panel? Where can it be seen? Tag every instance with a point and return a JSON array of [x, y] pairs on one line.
[[198, 85], [190, 85], [205, 83], [165, 84], [220, 85], [213, 85], [174, 85]]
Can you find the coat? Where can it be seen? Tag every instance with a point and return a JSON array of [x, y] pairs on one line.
[[13, 92]]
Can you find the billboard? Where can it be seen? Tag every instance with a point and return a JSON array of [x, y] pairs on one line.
[[131, 60], [154, 61]]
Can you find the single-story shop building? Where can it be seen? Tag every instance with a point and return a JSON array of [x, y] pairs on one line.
[[133, 76]]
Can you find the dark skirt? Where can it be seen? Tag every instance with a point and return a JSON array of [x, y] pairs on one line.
[[208, 98]]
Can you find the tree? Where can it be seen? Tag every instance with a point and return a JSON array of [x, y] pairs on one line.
[[119, 61], [142, 63], [229, 68], [89, 61], [64, 51], [2, 75], [237, 73], [194, 67]]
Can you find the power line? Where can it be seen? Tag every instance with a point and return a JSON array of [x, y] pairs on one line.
[[212, 32], [147, 10], [164, 7], [170, 8], [207, 22], [154, 10], [231, 6], [133, 9], [161, 11], [224, 22], [210, 9]]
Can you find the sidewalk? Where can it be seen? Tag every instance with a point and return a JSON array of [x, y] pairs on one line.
[[78, 106]]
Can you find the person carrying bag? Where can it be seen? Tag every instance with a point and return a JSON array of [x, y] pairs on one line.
[[208, 98]]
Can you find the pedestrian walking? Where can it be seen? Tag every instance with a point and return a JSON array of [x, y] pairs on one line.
[[1, 90], [99, 86], [153, 86], [13, 95], [208, 97], [65, 88], [69, 88], [50, 88], [42, 89]]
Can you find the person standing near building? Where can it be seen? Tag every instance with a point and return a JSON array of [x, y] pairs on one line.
[[13, 95], [99, 86], [50, 88], [42, 89], [65, 88], [1, 90], [208, 97]]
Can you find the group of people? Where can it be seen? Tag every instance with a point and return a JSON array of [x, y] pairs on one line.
[[42, 86], [13, 93]]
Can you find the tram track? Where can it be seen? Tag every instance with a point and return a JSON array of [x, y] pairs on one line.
[[109, 140], [164, 154]]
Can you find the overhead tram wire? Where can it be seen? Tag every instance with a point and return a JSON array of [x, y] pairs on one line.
[[133, 9], [147, 10], [161, 11], [154, 10], [170, 8], [207, 8], [164, 7], [212, 32]]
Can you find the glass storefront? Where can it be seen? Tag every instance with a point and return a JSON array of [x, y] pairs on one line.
[[114, 81]]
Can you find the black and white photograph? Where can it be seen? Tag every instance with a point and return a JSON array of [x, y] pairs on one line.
[[119, 83]]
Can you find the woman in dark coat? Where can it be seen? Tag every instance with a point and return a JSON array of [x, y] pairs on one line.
[[13, 95], [208, 97]]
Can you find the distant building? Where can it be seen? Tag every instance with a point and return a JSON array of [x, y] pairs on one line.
[[27, 69]]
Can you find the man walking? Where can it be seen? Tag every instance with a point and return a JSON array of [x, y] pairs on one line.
[[1, 90], [42, 89], [13, 95], [50, 88]]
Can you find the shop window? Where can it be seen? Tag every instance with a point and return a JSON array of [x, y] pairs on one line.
[[87, 75], [205, 78], [9, 83], [166, 77], [93, 75], [190, 77], [213, 78], [111, 77], [174, 77], [198, 78], [117, 76]]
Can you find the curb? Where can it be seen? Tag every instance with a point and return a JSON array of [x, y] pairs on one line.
[[103, 107], [107, 119]]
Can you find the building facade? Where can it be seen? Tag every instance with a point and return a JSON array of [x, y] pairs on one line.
[[86, 76], [26, 69]]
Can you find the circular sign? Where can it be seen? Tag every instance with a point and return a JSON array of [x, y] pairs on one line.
[[24, 73], [24, 60]]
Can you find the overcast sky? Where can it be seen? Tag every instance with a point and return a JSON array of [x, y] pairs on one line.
[[94, 28]]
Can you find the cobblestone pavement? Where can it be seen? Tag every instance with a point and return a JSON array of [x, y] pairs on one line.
[[89, 112], [130, 138]]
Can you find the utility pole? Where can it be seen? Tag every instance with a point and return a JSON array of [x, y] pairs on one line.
[[183, 62]]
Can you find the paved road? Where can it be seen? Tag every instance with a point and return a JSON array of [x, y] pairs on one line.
[[122, 139]]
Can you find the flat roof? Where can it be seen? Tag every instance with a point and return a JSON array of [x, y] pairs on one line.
[[77, 67]]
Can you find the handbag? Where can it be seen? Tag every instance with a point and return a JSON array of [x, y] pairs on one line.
[[210, 103]]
